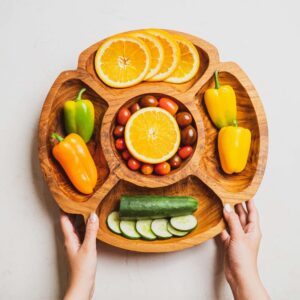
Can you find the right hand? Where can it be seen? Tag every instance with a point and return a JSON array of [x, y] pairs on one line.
[[241, 244]]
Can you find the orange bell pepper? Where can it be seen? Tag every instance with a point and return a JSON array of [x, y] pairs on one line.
[[73, 155]]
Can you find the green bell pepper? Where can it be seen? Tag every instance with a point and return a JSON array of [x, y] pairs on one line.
[[79, 116]]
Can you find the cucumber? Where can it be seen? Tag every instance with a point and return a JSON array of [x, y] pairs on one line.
[[159, 228], [143, 227], [128, 230], [184, 223], [113, 222], [176, 232], [156, 207]]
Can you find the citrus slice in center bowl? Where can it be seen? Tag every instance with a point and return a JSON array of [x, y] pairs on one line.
[[152, 135]]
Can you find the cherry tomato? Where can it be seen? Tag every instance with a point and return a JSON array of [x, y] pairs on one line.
[[175, 161], [163, 168], [169, 105], [126, 154], [134, 107], [133, 164], [119, 131], [147, 169], [184, 119], [148, 101], [188, 135], [120, 144], [123, 116], [185, 152]]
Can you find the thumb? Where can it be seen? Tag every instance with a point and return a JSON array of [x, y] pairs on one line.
[[91, 230], [233, 222]]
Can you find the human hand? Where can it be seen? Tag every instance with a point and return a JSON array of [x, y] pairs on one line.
[[82, 258], [241, 244]]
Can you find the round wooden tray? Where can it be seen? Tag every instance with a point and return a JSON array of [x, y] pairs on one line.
[[201, 177]]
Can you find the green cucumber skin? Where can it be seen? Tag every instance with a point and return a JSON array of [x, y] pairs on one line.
[[156, 207]]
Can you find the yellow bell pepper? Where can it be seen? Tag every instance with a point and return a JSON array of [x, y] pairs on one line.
[[221, 104], [234, 145]]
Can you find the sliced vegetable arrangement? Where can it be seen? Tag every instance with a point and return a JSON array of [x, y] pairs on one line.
[[233, 142], [149, 132], [124, 60], [151, 217]]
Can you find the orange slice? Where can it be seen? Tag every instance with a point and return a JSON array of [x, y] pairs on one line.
[[189, 61], [171, 54], [156, 50], [152, 135], [122, 61]]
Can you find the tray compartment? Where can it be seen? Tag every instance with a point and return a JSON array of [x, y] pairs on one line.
[[67, 91], [247, 118], [209, 215], [207, 54]]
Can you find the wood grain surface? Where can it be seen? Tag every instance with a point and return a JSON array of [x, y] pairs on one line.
[[201, 176]]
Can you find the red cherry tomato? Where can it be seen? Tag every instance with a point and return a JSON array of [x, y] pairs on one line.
[[185, 152], [147, 169], [123, 116], [133, 164], [126, 154], [169, 105], [120, 144], [163, 168], [119, 131]]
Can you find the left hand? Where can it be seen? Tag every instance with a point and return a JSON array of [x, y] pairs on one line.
[[82, 257]]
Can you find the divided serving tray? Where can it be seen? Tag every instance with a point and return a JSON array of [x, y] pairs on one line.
[[201, 176]]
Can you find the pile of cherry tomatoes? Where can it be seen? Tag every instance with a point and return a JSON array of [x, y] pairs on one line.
[[187, 131]]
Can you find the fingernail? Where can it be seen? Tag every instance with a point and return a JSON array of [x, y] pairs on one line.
[[93, 217], [227, 207]]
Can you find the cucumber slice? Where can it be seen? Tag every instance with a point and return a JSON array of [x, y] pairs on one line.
[[143, 227], [176, 232], [113, 222], [159, 228], [184, 223], [128, 230]]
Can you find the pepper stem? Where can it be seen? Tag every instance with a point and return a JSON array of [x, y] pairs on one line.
[[80, 94], [217, 82], [57, 136], [234, 123]]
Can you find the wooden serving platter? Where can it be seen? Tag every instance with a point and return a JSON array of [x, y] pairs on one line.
[[201, 176]]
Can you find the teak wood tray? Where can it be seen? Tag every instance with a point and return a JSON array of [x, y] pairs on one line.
[[201, 176]]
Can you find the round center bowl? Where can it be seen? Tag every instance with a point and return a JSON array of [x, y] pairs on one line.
[[181, 108]]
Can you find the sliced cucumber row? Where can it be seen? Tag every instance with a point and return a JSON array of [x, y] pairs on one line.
[[151, 229]]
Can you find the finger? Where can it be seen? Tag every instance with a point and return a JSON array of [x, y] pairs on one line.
[[252, 212], [249, 228], [241, 212], [224, 236], [71, 239], [92, 227], [233, 222]]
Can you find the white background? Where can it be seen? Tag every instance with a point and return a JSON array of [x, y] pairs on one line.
[[39, 39]]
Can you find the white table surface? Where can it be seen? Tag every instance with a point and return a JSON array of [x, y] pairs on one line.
[[39, 39]]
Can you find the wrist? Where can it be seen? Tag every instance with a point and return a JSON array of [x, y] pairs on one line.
[[79, 290], [248, 288]]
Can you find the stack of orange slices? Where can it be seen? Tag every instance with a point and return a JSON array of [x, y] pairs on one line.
[[146, 55]]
